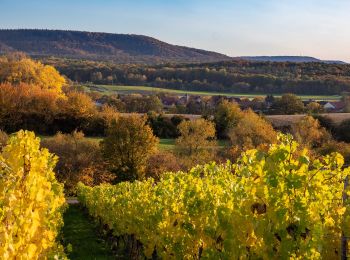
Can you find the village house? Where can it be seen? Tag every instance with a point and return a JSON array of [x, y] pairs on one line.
[[335, 107]]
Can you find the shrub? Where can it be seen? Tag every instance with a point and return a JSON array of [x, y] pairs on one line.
[[79, 160]]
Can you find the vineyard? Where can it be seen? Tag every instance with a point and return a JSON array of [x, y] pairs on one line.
[[31, 201], [278, 204]]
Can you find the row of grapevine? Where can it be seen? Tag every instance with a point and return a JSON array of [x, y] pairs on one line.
[[275, 205], [31, 200]]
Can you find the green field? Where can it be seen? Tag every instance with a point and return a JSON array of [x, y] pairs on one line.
[[164, 144], [109, 89]]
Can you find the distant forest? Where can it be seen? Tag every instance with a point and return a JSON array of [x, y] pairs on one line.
[[239, 76]]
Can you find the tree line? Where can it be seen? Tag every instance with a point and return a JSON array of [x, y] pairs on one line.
[[231, 76]]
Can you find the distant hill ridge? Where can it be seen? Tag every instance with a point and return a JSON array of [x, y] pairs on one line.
[[296, 59], [120, 48]]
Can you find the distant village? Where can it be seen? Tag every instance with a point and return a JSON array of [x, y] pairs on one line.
[[199, 104]]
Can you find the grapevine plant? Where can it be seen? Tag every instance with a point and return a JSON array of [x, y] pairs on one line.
[[31, 200], [278, 204]]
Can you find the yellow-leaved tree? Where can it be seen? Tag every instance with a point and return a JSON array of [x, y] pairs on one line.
[[19, 70], [31, 200]]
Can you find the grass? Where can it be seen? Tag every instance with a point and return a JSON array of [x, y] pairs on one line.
[[82, 235], [112, 89], [166, 144]]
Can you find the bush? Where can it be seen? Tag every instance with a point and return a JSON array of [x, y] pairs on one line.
[[160, 163], [79, 160]]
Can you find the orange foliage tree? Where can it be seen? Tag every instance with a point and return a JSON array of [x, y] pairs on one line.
[[19, 69]]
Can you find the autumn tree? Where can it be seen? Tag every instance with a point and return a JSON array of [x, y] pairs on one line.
[[17, 70], [24, 103], [288, 104], [127, 147], [226, 116], [309, 132], [197, 142], [108, 114], [78, 104], [251, 131], [314, 108], [80, 160]]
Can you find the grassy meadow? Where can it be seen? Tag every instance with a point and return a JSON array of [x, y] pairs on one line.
[[113, 89]]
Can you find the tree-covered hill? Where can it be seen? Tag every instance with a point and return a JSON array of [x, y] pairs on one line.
[[120, 48]]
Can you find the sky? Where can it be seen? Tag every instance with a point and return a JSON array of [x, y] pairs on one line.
[[318, 28]]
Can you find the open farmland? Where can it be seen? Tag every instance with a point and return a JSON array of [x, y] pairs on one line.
[[113, 89]]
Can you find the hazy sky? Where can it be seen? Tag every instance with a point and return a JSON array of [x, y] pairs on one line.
[[319, 28]]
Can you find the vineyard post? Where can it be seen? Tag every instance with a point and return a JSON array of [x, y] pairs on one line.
[[344, 244]]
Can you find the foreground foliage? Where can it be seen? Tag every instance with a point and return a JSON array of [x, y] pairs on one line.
[[31, 200], [273, 205]]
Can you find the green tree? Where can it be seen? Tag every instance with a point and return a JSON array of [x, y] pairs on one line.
[[196, 142], [288, 104], [226, 117], [127, 147], [314, 108]]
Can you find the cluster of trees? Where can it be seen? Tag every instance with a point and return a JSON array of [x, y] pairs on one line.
[[230, 76], [45, 112], [16, 69], [133, 103]]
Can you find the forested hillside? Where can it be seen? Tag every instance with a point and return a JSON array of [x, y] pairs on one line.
[[119, 48], [236, 76], [289, 59]]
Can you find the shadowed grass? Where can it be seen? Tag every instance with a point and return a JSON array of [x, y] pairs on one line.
[[83, 237]]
